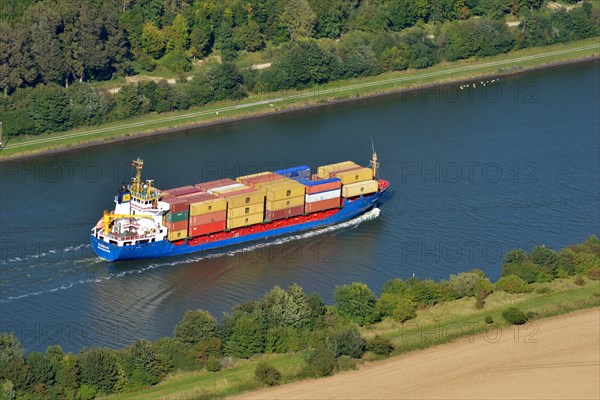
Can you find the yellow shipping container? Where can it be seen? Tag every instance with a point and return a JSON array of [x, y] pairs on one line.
[[241, 179], [285, 203], [324, 171], [251, 209], [244, 199], [355, 175], [207, 206], [282, 189], [358, 188], [177, 235], [244, 221]]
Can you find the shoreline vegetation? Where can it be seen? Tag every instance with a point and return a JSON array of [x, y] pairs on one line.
[[264, 104], [288, 335]]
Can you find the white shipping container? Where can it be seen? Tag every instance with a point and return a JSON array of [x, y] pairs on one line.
[[218, 189], [331, 194]]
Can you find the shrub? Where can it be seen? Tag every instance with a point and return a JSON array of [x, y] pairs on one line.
[[579, 281], [526, 270], [321, 362], [267, 374], [356, 302], [400, 307], [344, 363], [424, 292], [594, 273], [380, 346], [195, 327], [514, 316], [346, 342], [489, 320], [512, 284], [464, 283], [213, 364], [207, 348]]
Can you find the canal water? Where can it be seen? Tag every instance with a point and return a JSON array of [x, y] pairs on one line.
[[475, 171]]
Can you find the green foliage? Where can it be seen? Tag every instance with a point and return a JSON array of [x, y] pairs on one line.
[[512, 284], [86, 392], [195, 327], [544, 256], [153, 40], [380, 346], [99, 368], [344, 363], [176, 61], [41, 369], [267, 374], [464, 283], [49, 108], [489, 320], [180, 354], [130, 102], [424, 292], [514, 316], [246, 339], [282, 339], [401, 307], [516, 256], [7, 390], [346, 341], [143, 364], [593, 273], [285, 308], [579, 281], [213, 364], [526, 270], [321, 362], [356, 302]]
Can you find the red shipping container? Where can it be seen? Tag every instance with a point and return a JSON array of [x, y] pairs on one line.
[[180, 191], [285, 213], [177, 204], [324, 187], [177, 226], [205, 229], [215, 184], [322, 205], [208, 218]]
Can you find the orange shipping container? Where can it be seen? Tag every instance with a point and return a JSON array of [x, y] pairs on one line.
[[205, 229], [208, 218], [322, 205], [177, 226]]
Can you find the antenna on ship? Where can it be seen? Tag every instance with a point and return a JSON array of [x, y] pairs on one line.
[[373, 163]]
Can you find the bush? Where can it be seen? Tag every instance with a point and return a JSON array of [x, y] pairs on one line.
[[464, 283], [344, 363], [195, 327], [512, 284], [380, 346], [594, 273], [267, 374], [346, 342], [514, 316], [356, 302], [213, 364], [579, 281], [400, 307], [527, 270], [321, 362], [489, 320]]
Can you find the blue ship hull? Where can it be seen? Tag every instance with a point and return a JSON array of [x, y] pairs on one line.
[[165, 248]]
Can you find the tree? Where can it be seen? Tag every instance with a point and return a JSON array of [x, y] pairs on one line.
[[49, 108], [356, 302], [129, 102], [464, 283], [299, 18], [41, 370], [246, 339], [512, 284], [143, 364], [400, 307], [16, 65], [99, 368], [153, 40], [44, 22], [196, 326], [330, 16], [286, 308], [68, 372]]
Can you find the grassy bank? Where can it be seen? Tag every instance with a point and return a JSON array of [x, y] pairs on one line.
[[442, 323], [268, 103]]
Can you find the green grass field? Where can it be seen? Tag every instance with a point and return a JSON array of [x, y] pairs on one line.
[[266, 103], [439, 324]]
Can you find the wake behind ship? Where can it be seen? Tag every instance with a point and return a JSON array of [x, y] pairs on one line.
[[151, 223]]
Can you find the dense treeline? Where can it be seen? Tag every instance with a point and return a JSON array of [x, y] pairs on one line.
[[51, 50], [282, 321]]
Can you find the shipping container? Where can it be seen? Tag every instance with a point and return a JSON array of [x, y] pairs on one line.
[[177, 226], [250, 209], [177, 235], [207, 218], [271, 177], [281, 189], [355, 175], [331, 194], [176, 204], [302, 172], [285, 203], [208, 206], [322, 205], [356, 189], [217, 226], [215, 183], [324, 171], [227, 188], [322, 185], [247, 197], [246, 220], [241, 179], [180, 191], [284, 213], [176, 217]]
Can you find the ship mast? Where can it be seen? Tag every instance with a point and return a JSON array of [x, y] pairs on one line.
[[138, 164], [373, 163]]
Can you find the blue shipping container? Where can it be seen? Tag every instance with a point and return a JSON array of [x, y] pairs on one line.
[[307, 182], [302, 171]]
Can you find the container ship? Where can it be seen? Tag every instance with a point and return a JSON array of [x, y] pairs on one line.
[[151, 223]]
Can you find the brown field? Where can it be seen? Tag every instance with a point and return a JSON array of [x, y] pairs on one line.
[[555, 358]]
